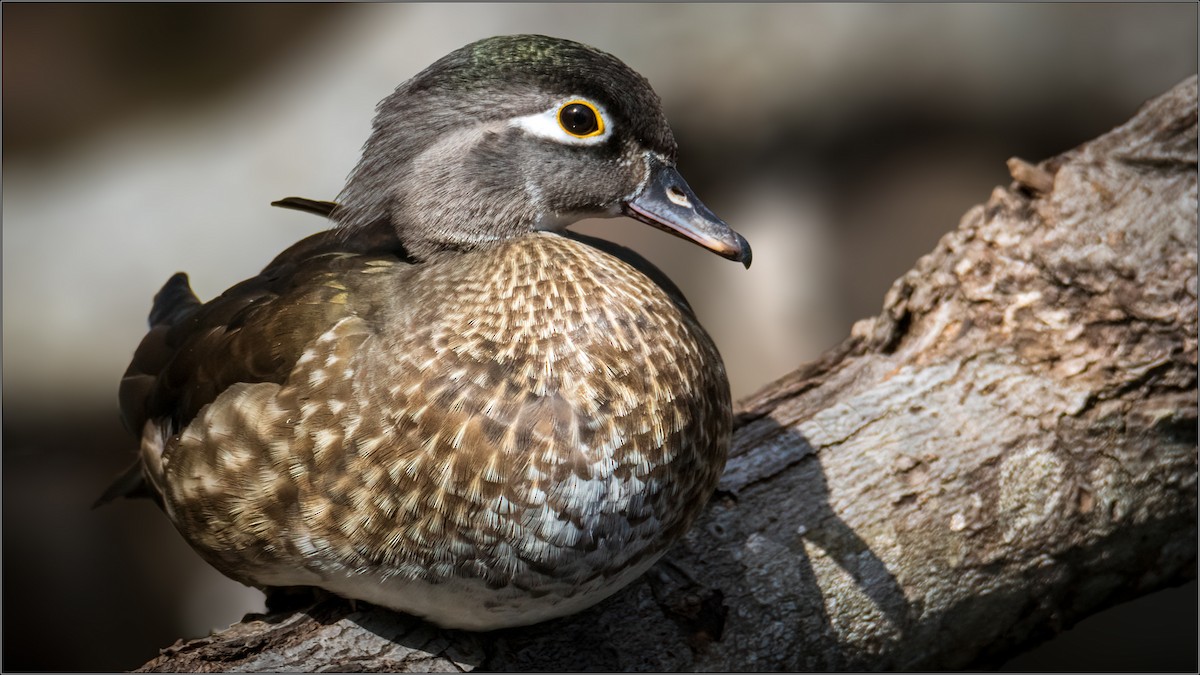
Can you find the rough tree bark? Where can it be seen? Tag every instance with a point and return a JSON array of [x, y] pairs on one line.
[[1009, 447]]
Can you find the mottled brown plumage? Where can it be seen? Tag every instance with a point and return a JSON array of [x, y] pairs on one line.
[[484, 434]]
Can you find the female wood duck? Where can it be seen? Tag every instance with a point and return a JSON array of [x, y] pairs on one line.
[[448, 405]]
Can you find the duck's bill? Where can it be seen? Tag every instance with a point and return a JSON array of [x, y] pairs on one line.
[[666, 202]]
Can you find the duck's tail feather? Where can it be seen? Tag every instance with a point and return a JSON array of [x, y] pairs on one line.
[[131, 483], [173, 301]]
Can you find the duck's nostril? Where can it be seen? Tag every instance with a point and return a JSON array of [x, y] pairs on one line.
[[678, 196]]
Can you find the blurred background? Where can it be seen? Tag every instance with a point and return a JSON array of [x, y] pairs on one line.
[[842, 141]]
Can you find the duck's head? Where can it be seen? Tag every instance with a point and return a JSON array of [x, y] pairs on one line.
[[520, 133]]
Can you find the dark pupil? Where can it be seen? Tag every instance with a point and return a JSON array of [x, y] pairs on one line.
[[578, 119]]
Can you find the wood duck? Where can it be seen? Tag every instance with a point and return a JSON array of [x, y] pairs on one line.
[[448, 405]]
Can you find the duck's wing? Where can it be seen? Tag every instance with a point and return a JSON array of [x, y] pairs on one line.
[[253, 332]]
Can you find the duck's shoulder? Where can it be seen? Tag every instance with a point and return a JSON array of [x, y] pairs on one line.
[[324, 249]]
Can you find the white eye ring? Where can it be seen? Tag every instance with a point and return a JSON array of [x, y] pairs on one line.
[[546, 124]]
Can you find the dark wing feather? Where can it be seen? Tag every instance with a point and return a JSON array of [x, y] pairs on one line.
[[253, 332]]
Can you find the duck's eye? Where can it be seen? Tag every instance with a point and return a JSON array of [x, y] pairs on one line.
[[576, 121], [580, 119]]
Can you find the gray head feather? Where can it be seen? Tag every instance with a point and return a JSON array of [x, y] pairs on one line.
[[445, 168]]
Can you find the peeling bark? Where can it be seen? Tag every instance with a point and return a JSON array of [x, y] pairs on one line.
[[1008, 447]]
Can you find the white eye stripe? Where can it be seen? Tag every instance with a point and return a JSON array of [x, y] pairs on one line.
[[545, 124]]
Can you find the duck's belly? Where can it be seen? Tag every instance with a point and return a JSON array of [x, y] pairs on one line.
[[503, 456], [468, 602]]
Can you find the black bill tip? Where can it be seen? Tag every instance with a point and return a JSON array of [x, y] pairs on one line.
[[668, 203]]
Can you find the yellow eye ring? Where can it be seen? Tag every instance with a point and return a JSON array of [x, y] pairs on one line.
[[580, 119]]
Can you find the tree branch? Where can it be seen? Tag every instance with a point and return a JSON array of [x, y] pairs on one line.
[[1008, 447]]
